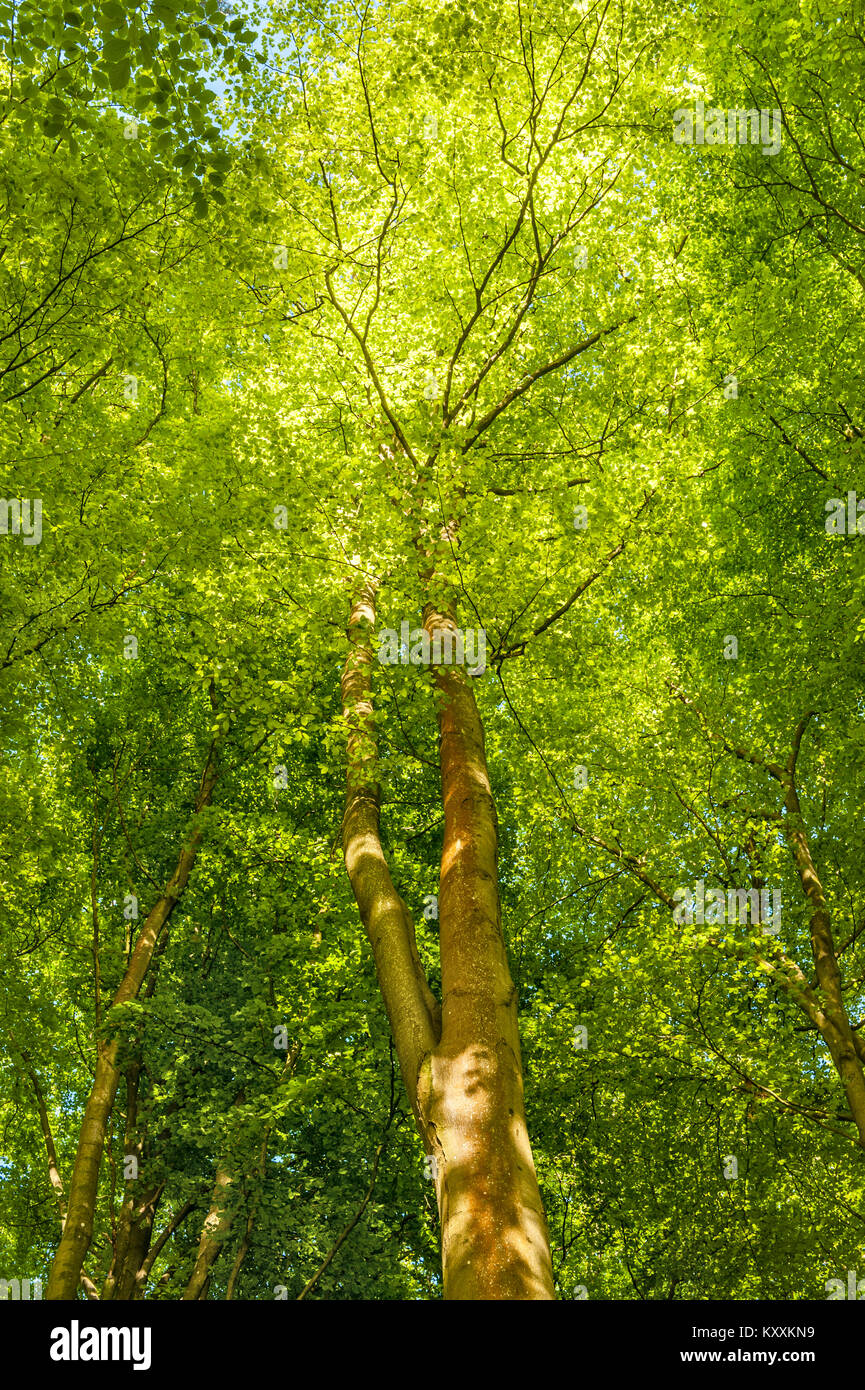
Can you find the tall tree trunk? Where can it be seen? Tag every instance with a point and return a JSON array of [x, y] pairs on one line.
[[461, 1067], [411, 1007], [78, 1230], [495, 1242]]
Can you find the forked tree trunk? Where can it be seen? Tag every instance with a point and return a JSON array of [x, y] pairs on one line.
[[135, 1231], [462, 1068]]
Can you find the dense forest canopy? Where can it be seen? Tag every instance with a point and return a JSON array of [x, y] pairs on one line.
[[432, 602]]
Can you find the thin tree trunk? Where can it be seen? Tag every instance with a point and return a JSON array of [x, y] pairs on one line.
[[45, 1125], [78, 1230], [242, 1252], [156, 1249], [411, 1007], [243, 1248], [131, 1145], [828, 1015], [347, 1230], [217, 1225], [837, 1033]]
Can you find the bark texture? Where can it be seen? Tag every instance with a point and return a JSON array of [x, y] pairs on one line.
[[495, 1243], [411, 1007], [460, 1063]]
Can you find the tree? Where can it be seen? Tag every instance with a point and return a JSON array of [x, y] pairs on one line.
[[438, 458]]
